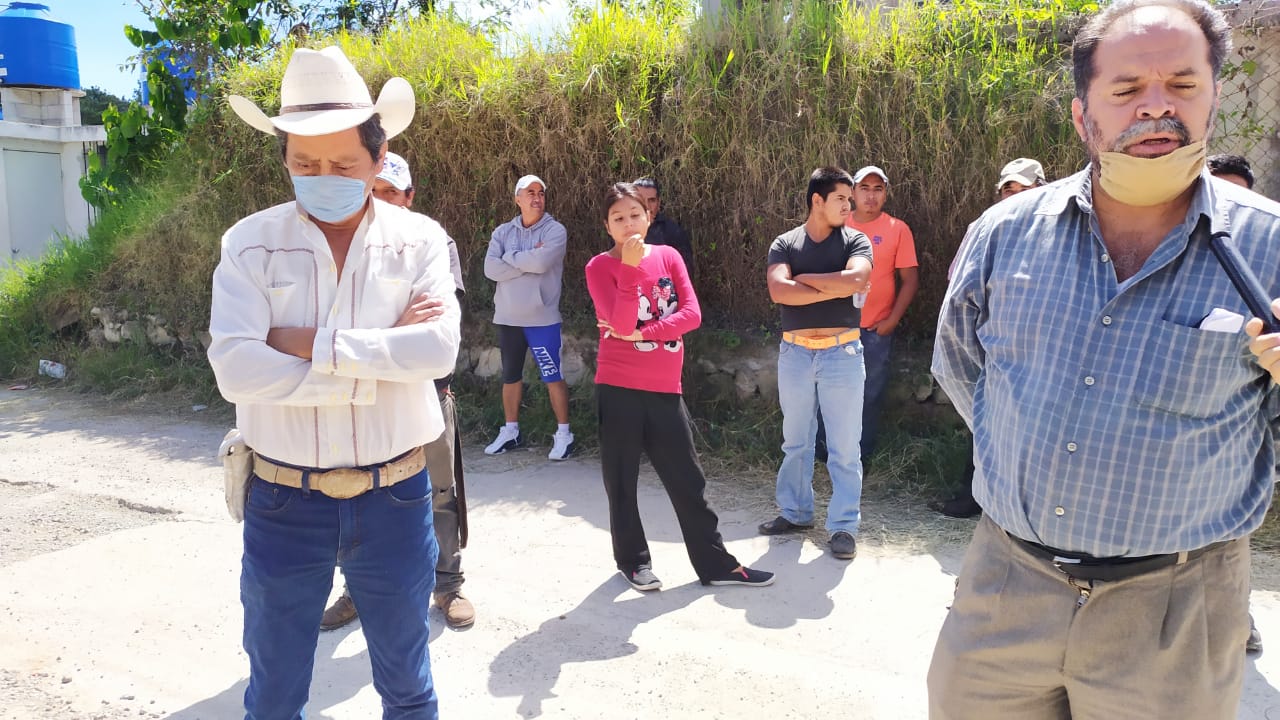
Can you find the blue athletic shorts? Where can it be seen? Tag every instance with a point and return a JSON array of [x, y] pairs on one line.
[[542, 342]]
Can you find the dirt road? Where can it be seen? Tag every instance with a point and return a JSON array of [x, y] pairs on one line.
[[119, 583]]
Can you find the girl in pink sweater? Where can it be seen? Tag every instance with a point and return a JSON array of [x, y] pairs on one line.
[[644, 305]]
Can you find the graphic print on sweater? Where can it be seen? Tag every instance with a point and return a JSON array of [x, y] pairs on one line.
[[661, 301]]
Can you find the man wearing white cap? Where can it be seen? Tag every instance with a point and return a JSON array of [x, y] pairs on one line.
[[894, 281], [1015, 177], [526, 260], [1018, 175], [331, 316], [444, 463]]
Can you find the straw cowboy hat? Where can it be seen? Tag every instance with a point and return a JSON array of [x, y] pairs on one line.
[[322, 93]]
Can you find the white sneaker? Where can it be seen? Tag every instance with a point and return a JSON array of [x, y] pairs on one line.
[[562, 447], [507, 439]]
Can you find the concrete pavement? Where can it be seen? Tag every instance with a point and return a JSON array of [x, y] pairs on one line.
[[120, 592]]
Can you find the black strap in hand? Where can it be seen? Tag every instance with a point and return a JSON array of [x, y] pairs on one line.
[[1246, 283]]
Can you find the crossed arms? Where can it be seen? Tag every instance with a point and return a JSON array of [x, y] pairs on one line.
[[809, 288]]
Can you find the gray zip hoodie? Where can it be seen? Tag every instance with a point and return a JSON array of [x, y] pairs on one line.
[[528, 276]]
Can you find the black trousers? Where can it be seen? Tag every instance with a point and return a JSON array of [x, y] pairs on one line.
[[657, 424]]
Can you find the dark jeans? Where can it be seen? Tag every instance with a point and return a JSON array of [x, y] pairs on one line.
[[876, 352], [657, 424], [384, 542]]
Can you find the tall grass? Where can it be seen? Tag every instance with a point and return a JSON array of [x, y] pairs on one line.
[[730, 117]]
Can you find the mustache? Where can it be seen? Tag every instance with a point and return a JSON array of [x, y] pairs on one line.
[[1135, 131]]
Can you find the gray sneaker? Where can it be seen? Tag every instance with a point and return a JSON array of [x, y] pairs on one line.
[[642, 578], [1254, 643], [844, 546]]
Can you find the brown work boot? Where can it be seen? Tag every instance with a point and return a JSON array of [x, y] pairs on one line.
[[458, 611], [340, 613]]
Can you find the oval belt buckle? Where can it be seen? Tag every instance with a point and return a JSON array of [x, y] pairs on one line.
[[343, 484]]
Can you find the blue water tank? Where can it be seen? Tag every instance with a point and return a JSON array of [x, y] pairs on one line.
[[177, 63], [37, 50]]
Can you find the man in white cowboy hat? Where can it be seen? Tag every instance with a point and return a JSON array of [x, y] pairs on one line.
[[331, 316], [444, 462]]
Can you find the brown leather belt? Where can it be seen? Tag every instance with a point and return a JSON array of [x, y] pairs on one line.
[[1108, 569], [822, 343], [342, 483]]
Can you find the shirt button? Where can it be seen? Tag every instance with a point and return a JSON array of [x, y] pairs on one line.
[[1088, 380], [1059, 511], [1106, 320], [1105, 258], [1072, 447]]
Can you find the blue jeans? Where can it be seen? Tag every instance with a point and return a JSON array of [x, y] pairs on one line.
[[832, 380], [383, 540], [876, 349]]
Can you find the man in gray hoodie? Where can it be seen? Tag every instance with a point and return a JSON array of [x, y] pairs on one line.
[[526, 260]]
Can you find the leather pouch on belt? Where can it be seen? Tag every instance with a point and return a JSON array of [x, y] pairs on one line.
[[237, 466]]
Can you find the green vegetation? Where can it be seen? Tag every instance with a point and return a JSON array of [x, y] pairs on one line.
[[730, 118], [94, 102]]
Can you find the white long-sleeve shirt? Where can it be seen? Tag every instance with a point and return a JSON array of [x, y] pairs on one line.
[[366, 395]]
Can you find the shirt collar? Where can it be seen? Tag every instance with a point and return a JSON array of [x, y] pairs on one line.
[[1079, 187]]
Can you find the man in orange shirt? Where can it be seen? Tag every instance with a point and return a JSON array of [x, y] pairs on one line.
[[894, 280]]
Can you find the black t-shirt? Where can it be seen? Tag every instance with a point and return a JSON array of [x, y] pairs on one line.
[[803, 255], [665, 231]]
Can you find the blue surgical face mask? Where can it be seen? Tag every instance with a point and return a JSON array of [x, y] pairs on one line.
[[329, 198]]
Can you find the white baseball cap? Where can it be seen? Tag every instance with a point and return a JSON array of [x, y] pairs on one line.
[[526, 181], [869, 170], [396, 171]]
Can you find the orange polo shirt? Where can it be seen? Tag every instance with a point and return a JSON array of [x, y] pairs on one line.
[[892, 247]]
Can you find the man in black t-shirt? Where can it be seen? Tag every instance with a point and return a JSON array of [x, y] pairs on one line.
[[814, 272], [663, 230]]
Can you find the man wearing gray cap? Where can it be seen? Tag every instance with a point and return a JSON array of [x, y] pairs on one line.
[[331, 315], [1015, 177], [1018, 175], [526, 260], [394, 185]]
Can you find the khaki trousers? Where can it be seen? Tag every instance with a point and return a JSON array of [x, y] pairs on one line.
[[1019, 645], [444, 502]]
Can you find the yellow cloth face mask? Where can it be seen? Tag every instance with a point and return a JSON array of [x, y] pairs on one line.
[[1143, 182]]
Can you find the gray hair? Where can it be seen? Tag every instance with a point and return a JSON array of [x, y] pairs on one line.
[[1211, 22]]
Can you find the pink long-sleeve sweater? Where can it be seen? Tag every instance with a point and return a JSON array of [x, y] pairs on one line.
[[656, 298]]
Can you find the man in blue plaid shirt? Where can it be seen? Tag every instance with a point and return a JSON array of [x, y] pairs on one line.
[[1124, 434]]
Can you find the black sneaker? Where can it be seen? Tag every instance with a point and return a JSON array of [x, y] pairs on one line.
[[844, 546], [960, 506], [780, 525], [642, 578], [745, 576]]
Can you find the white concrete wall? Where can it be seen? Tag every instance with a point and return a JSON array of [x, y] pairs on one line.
[[40, 106], [68, 143]]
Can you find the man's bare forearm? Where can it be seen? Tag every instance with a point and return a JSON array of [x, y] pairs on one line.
[[840, 284], [792, 292]]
